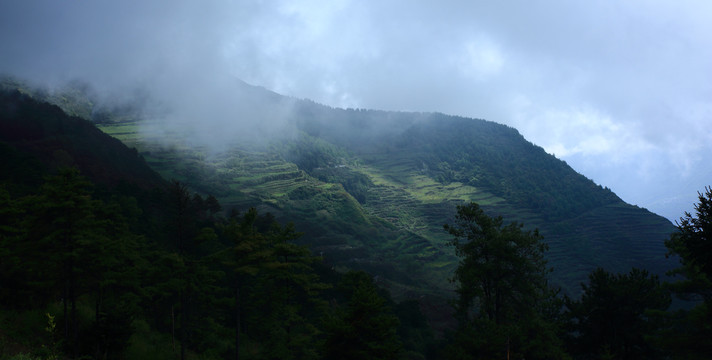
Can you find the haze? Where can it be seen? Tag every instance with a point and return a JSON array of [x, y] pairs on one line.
[[619, 90]]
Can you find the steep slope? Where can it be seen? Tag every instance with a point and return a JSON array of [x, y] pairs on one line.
[[371, 189], [334, 223], [36, 137], [436, 160]]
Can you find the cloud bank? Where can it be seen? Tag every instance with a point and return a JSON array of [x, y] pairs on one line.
[[619, 90]]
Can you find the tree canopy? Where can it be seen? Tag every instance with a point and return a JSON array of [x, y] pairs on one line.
[[616, 315], [690, 331], [502, 289]]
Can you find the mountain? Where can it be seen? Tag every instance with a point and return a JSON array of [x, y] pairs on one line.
[[372, 189], [434, 161]]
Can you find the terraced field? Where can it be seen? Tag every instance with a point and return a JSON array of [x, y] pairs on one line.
[[631, 240], [617, 236], [337, 227]]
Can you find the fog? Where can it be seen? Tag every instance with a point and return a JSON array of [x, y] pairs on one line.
[[619, 90]]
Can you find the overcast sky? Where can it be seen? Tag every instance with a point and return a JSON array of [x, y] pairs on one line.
[[621, 90]]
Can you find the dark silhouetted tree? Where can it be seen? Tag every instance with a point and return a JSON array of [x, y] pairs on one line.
[[366, 327], [617, 315], [63, 228], [283, 286], [502, 289], [191, 284], [249, 253], [12, 273], [690, 331]]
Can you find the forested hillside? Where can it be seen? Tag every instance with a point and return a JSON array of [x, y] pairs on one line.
[[371, 189], [132, 266], [434, 161], [117, 262], [38, 137]]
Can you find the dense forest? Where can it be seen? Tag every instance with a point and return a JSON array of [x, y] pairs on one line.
[[102, 258], [164, 276]]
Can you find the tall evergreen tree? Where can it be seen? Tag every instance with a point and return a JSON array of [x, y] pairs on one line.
[[502, 289], [63, 228], [693, 244], [689, 333], [113, 279], [12, 270], [70, 245], [615, 317], [248, 254], [292, 288], [366, 327], [282, 285], [192, 279]]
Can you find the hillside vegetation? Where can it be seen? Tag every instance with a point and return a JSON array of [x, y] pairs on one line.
[[372, 189], [132, 266], [112, 261]]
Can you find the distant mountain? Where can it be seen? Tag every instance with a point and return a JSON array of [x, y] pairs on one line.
[[372, 189]]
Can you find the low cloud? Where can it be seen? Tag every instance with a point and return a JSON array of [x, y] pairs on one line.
[[617, 89]]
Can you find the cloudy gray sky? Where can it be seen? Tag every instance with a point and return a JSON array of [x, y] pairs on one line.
[[621, 90]]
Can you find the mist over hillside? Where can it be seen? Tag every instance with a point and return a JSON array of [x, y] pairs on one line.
[[296, 179], [406, 171], [367, 190], [602, 98]]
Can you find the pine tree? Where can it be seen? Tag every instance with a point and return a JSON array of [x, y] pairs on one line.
[[502, 289], [62, 230], [194, 279], [249, 253], [366, 327], [12, 267], [290, 289], [612, 318], [689, 332]]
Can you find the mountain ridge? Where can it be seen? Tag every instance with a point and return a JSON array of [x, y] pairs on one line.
[[48, 139], [371, 189]]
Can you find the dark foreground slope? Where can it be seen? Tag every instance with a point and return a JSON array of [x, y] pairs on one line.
[[37, 138]]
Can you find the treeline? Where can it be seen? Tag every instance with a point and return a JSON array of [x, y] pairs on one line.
[[163, 274], [506, 309]]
